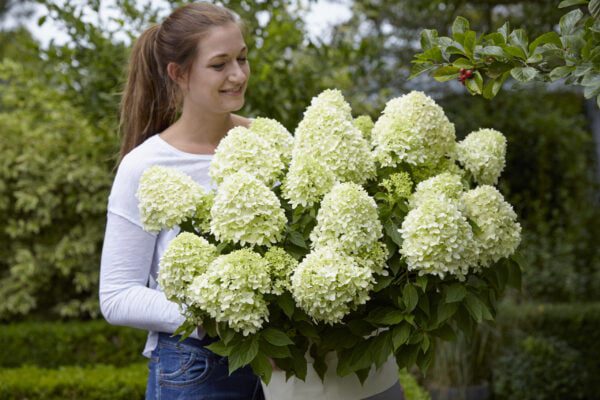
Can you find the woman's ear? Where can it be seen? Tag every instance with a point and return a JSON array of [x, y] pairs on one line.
[[175, 74]]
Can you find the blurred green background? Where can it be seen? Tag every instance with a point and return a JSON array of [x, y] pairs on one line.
[[58, 148]]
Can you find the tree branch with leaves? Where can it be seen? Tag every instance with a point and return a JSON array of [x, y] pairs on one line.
[[482, 63]]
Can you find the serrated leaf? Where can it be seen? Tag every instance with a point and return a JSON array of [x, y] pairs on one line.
[[569, 3], [400, 335], [494, 51], [548, 37], [568, 21], [422, 282], [428, 38], [519, 38], [296, 238], [243, 353], [455, 293], [385, 316], [410, 297], [299, 363], [262, 367], [219, 348], [524, 74], [276, 337], [474, 307], [459, 27], [391, 229], [594, 8], [274, 351], [381, 348], [446, 73], [286, 302]]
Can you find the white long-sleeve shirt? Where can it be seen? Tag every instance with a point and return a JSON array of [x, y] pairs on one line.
[[129, 294]]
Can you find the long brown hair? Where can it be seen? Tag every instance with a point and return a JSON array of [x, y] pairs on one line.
[[151, 100]]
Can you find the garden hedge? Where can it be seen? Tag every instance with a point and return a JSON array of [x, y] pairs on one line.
[[91, 383], [54, 344], [576, 324]]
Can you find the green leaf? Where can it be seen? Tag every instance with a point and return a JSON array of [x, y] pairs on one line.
[[360, 327], [459, 27], [548, 37], [504, 29], [381, 348], [463, 63], [594, 8], [382, 282], [274, 351], [385, 316], [276, 337], [308, 329], [262, 367], [469, 42], [524, 74], [445, 332], [406, 355], [446, 73], [518, 38], [475, 84], [560, 72], [410, 297], [428, 38], [568, 21], [422, 282], [495, 37], [474, 307], [286, 302], [243, 353], [391, 229], [299, 362], [569, 3], [339, 338], [219, 348], [296, 238], [424, 360], [445, 311], [455, 292], [515, 51], [400, 335], [493, 51]]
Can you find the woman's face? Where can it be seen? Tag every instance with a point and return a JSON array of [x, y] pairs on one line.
[[219, 75]]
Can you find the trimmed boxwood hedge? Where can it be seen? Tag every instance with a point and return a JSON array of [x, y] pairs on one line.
[[91, 383], [54, 344], [577, 324]]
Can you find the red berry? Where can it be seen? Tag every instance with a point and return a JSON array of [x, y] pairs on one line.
[[462, 71], [469, 74]]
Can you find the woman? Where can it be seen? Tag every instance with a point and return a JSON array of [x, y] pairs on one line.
[[194, 66]]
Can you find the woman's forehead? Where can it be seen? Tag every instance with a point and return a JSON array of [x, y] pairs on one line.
[[222, 41]]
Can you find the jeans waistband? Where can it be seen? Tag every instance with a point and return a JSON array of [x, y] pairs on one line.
[[205, 341]]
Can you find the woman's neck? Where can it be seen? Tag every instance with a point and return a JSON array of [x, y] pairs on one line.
[[198, 133]]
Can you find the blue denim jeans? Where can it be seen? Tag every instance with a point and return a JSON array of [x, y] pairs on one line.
[[187, 370]]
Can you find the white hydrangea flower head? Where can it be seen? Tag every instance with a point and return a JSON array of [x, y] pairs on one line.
[[347, 219], [276, 135], [365, 124], [327, 132], [243, 150], [499, 232], [438, 239], [167, 197], [412, 129], [307, 181], [446, 184], [328, 284], [186, 257], [483, 153], [246, 211], [281, 266], [232, 290]]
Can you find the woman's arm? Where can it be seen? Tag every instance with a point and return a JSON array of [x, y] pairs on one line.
[[125, 298]]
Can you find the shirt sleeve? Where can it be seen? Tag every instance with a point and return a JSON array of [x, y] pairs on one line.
[[124, 273]]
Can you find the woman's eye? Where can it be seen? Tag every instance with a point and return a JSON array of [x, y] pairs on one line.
[[218, 66], [243, 59]]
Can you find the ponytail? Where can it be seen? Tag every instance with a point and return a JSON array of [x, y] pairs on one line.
[[147, 106]]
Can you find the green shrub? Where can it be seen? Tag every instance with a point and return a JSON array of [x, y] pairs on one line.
[[90, 383], [411, 388], [50, 345], [539, 369], [576, 324]]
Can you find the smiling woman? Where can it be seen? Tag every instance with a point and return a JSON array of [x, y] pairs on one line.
[[186, 77]]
